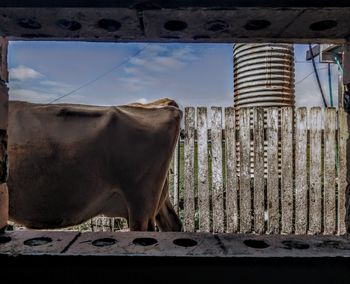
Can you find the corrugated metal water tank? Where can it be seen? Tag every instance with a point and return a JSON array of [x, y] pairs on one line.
[[263, 75]]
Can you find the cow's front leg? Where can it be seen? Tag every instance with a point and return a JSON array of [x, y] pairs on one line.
[[139, 222], [141, 217], [142, 204]]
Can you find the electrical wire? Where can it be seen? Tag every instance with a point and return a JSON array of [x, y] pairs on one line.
[[100, 76], [308, 75]]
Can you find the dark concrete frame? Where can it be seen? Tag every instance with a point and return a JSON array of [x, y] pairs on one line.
[[289, 267]]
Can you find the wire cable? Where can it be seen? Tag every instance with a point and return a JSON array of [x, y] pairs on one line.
[[308, 75], [100, 76]]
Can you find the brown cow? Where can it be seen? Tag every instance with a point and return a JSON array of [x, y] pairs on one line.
[[69, 163]]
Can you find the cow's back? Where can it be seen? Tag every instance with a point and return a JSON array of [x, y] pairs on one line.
[[66, 162]]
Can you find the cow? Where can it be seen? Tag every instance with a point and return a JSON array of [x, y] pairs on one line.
[[69, 163]]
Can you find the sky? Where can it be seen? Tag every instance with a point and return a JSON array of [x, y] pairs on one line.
[[121, 73]]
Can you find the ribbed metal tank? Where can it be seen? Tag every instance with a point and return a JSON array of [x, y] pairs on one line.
[[263, 75]]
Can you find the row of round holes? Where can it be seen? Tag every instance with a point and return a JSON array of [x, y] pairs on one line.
[[186, 242], [173, 25]]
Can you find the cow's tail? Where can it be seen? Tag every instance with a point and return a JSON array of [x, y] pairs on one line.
[[167, 220]]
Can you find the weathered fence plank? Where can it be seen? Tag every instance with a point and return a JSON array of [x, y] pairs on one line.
[[217, 174], [300, 162], [259, 179], [231, 172], [287, 169], [315, 200], [272, 172], [173, 178], [244, 173], [170, 179], [329, 202], [203, 174], [176, 176], [342, 171], [189, 204]]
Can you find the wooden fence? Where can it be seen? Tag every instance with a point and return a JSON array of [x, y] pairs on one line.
[[271, 170]]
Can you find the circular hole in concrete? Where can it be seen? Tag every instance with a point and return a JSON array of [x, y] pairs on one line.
[[69, 25], [29, 23], [105, 242], [37, 241], [109, 25], [144, 241], [185, 242], [4, 240], [295, 245], [323, 25], [258, 244], [175, 25], [254, 25], [216, 26], [334, 245]]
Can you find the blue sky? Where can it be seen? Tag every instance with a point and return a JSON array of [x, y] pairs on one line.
[[192, 74]]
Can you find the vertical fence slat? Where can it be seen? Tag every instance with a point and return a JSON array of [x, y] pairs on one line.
[[176, 177], [170, 179], [189, 205], [272, 171], [244, 179], [259, 180], [342, 172], [231, 171], [203, 174], [217, 174], [301, 187], [329, 203], [287, 169], [315, 200]]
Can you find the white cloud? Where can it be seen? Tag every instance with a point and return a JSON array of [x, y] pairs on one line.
[[136, 84], [130, 70], [168, 62], [159, 59], [185, 54], [51, 83], [142, 101], [42, 97], [22, 73], [156, 48], [57, 87], [30, 95], [138, 61]]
